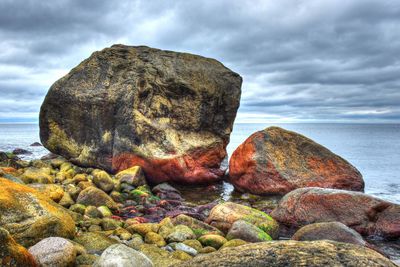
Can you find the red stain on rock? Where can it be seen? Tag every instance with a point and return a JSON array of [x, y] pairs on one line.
[[196, 167], [276, 161], [365, 214], [246, 174]]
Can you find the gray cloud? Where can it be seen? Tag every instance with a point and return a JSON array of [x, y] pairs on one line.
[[301, 60]]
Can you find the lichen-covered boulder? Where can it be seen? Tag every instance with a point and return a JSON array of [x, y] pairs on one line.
[[292, 253], [53, 191], [12, 253], [170, 113], [95, 197], [225, 214], [94, 242], [277, 161], [30, 216], [365, 214], [199, 228], [248, 232]]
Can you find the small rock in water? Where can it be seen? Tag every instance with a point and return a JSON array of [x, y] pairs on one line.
[[36, 144]]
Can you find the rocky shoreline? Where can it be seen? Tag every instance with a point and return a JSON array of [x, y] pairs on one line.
[[100, 218], [134, 132]]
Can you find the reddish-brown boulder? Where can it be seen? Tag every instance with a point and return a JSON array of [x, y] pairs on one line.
[[365, 214], [277, 161], [170, 113]]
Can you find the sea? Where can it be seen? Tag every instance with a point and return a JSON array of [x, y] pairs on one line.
[[374, 149]]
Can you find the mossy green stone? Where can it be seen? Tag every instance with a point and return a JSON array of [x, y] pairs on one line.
[[154, 238], [234, 243], [215, 241]]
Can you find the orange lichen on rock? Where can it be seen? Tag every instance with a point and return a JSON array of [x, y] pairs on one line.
[[30, 216], [12, 253]]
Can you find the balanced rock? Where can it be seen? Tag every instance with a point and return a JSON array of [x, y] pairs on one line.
[[365, 214], [292, 253], [277, 161], [170, 113], [30, 216]]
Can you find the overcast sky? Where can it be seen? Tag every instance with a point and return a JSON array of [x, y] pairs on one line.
[[323, 61]]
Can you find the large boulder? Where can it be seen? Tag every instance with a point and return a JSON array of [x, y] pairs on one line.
[[292, 253], [170, 113], [277, 161], [30, 216], [365, 214]]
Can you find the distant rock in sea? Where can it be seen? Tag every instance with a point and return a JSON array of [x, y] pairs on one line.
[[36, 144], [277, 161], [21, 151], [171, 113]]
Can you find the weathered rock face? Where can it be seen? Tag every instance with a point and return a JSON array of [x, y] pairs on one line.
[[292, 253], [170, 113], [334, 231], [30, 216], [277, 161], [365, 214]]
